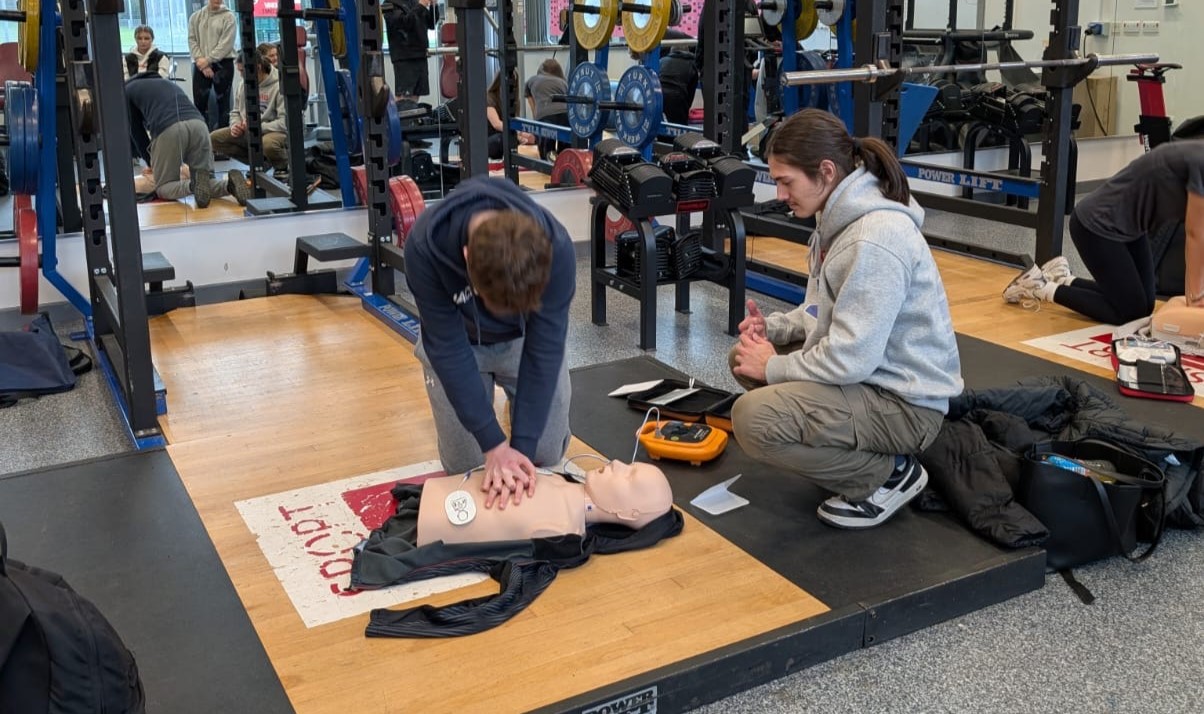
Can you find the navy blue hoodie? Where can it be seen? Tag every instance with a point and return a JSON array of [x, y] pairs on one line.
[[453, 318]]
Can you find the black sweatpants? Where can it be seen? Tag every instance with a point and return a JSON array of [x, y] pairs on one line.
[[1122, 288], [223, 79]]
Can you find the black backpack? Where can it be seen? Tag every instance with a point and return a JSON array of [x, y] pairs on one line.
[[58, 654], [33, 362]]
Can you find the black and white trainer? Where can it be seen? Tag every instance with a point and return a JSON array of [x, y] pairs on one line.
[[904, 484]]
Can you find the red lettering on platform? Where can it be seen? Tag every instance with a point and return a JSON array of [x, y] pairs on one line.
[[309, 544], [1091, 347], [288, 513], [327, 573], [322, 525]]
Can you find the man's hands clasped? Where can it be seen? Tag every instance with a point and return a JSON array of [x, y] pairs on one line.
[[508, 474]]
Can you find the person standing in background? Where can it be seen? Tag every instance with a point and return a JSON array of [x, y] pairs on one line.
[[406, 24], [211, 44]]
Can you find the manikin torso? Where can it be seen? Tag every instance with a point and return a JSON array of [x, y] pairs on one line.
[[557, 508]]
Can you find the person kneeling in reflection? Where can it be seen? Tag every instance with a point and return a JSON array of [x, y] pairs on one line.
[[442, 528]]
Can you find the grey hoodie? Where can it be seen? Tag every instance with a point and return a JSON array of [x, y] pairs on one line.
[[211, 34], [875, 311], [271, 103]]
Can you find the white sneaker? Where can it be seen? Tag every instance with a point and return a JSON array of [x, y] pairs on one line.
[[885, 502], [1024, 286], [1057, 271]]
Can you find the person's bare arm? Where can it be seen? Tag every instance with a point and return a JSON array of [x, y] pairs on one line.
[[495, 119], [1194, 257]]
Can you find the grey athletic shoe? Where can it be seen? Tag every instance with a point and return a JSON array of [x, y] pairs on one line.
[[236, 184], [201, 188]]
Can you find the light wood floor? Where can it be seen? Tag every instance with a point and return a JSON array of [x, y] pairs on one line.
[[277, 394]]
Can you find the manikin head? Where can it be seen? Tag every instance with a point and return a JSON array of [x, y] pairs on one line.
[[635, 494]]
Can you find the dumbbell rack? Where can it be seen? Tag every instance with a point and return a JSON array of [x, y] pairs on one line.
[[604, 276]]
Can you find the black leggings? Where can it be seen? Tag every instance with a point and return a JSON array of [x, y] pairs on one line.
[[1123, 273]]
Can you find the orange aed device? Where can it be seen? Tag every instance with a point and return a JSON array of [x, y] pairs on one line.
[[682, 441]]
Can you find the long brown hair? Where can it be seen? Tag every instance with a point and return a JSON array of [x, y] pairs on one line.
[[493, 95], [809, 137], [552, 67]]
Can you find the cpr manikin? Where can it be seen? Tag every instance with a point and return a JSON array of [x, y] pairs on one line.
[[452, 509]]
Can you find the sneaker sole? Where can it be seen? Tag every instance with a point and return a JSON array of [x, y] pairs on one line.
[[201, 190], [900, 500]]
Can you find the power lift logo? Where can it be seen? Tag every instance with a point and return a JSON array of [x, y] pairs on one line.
[[641, 702], [959, 179], [1093, 345], [309, 536]]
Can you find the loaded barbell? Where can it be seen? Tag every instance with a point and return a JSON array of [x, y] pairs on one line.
[[644, 23], [638, 100], [773, 13], [872, 73]]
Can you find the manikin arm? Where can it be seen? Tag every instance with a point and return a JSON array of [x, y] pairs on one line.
[[1194, 258]]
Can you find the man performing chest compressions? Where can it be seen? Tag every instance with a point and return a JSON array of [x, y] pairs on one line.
[[452, 508]]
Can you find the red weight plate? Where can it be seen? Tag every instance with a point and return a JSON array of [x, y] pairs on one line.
[[417, 203], [616, 225], [410, 213], [402, 211], [27, 234], [359, 177], [572, 167]]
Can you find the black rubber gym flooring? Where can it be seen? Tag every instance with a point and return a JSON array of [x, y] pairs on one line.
[[123, 532]]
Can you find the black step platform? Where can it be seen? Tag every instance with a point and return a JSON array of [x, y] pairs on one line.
[[917, 570], [327, 247], [157, 269], [123, 532]]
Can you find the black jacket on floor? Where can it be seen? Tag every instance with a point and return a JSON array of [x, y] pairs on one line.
[[975, 461]]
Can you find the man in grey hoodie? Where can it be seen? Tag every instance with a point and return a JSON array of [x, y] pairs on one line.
[[850, 385], [211, 44], [232, 140]]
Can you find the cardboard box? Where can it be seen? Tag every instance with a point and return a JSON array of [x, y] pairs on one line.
[[1098, 97]]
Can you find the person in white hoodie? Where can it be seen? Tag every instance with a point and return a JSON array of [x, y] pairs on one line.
[[232, 140], [144, 56], [846, 388], [211, 44]]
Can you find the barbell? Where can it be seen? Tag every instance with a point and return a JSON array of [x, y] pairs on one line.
[[872, 73], [644, 22], [637, 99]]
